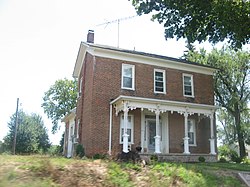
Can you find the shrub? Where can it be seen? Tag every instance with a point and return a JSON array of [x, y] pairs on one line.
[[54, 150], [234, 157], [80, 151], [226, 152], [223, 160], [246, 161], [201, 159], [99, 156], [154, 158]]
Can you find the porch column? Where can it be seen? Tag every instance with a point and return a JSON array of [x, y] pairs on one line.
[[157, 136], [212, 140], [186, 138], [125, 135]]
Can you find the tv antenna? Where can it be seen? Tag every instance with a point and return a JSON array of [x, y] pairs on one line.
[[118, 25]]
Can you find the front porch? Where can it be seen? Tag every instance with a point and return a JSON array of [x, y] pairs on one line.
[[174, 131]]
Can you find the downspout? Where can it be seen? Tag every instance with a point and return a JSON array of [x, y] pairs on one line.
[[110, 128]]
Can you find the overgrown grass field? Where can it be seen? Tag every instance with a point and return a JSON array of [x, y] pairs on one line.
[[44, 171]]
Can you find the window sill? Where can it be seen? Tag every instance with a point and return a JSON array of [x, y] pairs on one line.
[[129, 143], [132, 89], [190, 96], [193, 145], [160, 93]]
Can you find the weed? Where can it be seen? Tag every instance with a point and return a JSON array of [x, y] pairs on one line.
[[80, 150], [132, 166], [118, 177]]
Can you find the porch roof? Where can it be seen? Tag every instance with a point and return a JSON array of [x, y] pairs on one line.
[[69, 116], [132, 103]]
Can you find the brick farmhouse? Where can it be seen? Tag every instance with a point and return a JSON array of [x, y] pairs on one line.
[[130, 100]]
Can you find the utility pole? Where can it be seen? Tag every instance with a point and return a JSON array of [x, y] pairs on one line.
[[16, 126]]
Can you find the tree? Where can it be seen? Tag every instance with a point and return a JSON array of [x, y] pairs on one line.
[[1, 147], [198, 20], [232, 87], [32, 135], [226, 129], [59, 100]]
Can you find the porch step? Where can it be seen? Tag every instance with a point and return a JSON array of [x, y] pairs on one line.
[[245, 177]]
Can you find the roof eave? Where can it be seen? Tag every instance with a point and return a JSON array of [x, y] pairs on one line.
[[80, 58]]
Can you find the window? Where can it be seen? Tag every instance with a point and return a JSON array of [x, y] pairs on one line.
[[191, 132], [130, 129], [77, 128], [159, 81], [80, 88], [128, 76], [188, 86]]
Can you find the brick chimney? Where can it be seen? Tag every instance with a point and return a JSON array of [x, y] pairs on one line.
[[90, 36]]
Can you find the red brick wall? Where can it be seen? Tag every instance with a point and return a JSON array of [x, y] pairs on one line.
[[102, 83], [108, 82], [84, 104], [176, 134]]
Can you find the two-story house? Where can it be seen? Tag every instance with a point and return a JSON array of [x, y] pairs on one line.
[[130, 99]]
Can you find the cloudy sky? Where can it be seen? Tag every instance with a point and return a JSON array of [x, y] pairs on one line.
[[39, 41]]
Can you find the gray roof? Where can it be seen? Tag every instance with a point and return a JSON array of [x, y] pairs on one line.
[[147, 54]]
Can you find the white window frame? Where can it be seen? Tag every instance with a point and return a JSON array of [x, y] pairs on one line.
[[130, 126], [164, 81], [80, 88], [192, 121], [77, 128], [192, 84], [133, 76]]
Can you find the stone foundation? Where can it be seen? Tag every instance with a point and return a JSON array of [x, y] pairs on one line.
[[176, 157]]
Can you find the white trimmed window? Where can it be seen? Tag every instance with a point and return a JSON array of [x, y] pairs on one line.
[[80, 88], [77, 128], [128, 76], [191, 132], [188, 85], [159, 81], [130, 129]]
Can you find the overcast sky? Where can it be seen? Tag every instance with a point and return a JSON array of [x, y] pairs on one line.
[[39, 42]]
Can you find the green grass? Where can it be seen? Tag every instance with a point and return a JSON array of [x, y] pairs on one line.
[[44, 171], [117, 176], [232, 166]]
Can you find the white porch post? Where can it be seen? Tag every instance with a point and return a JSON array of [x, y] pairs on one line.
[[212, 140], [125, 125], [157, 137], [186, 138]]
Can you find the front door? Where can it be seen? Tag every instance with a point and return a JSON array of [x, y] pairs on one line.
[[151, 132]]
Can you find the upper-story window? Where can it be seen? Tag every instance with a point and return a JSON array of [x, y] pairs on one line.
[[188, 85], [128, 76], [191, 132], [80, 88], [159, 81]]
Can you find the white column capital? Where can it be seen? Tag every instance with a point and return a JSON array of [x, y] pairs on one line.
[[157, 112], [185, 114]]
